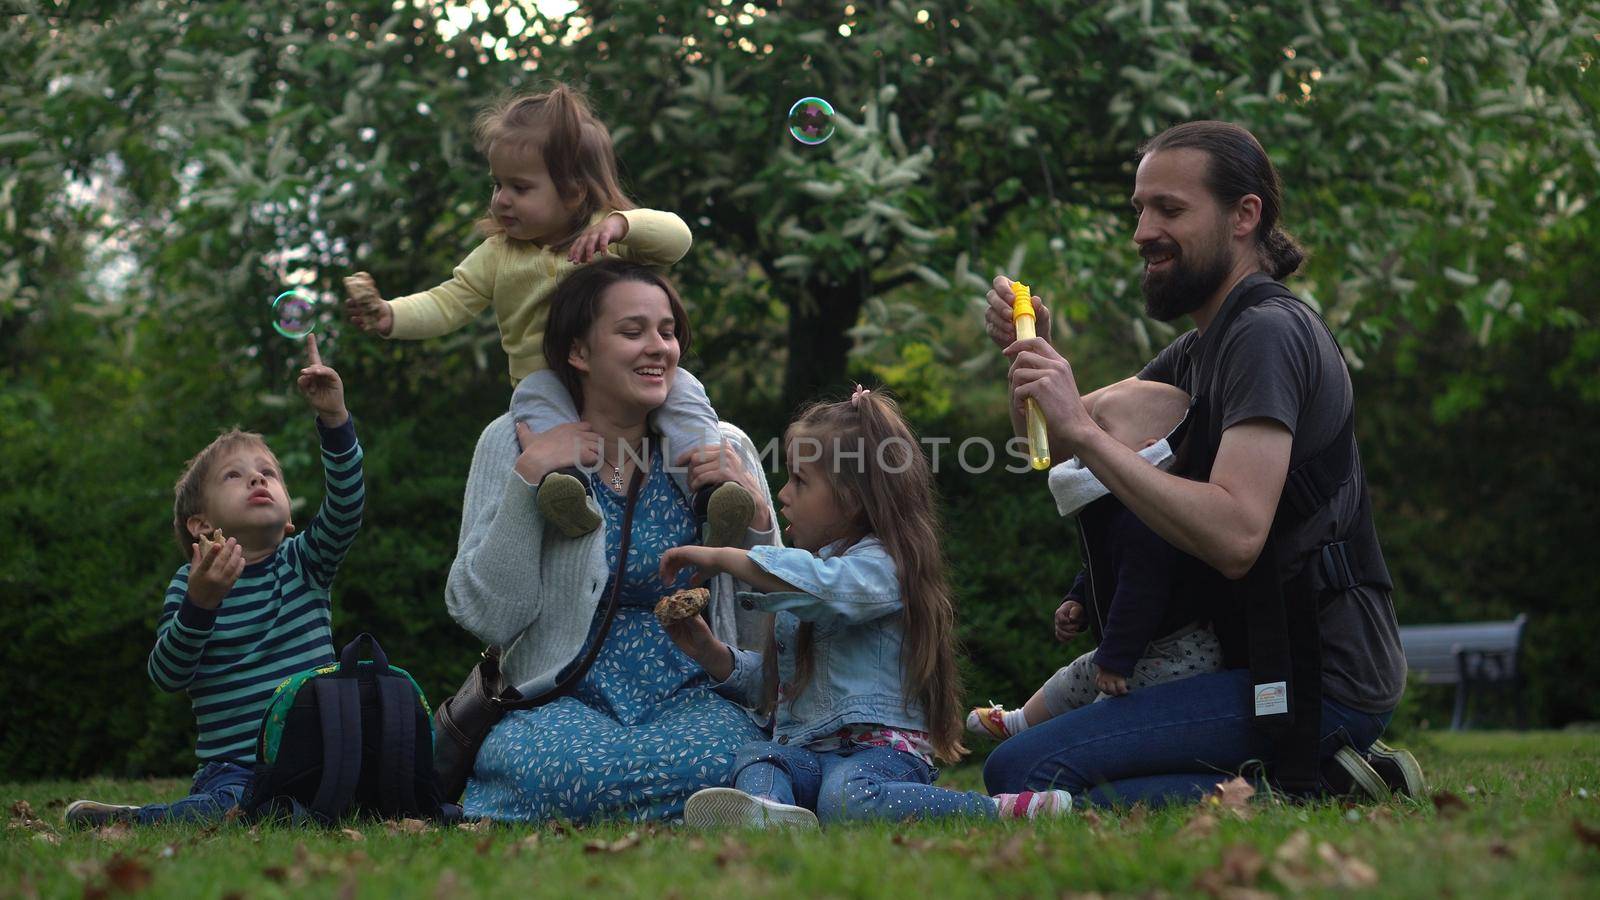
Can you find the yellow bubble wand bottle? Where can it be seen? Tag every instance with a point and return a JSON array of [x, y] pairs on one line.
[[1022, 317]]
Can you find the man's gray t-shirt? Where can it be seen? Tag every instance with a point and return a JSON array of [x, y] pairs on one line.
[[1278, 362]]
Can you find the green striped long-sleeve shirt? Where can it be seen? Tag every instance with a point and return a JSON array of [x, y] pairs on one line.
[[276, 621]]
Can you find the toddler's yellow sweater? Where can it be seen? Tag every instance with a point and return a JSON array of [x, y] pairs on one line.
[[516, 277]]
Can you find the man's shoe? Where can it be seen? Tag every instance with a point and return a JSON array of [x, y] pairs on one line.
[[564, 501], [1350, 773], [1398, 769], [93, 813], [721, 807]]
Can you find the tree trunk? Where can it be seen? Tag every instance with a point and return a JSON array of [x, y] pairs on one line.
[[818, 345]]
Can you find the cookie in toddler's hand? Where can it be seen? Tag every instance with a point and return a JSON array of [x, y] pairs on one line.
[[680, 605]]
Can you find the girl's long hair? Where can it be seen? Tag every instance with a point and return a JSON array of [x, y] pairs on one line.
[[574, 143], [875, 467]]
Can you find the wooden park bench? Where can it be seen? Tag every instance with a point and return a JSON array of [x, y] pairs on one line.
[[1466, 655]]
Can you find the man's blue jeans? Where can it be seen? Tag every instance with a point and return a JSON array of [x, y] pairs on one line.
[[854, 784], [1172, 742], [218, 786]]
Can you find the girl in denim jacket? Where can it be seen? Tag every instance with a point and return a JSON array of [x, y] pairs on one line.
[[859, 670]]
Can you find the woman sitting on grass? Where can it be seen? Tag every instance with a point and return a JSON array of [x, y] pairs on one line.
[[643, 729]]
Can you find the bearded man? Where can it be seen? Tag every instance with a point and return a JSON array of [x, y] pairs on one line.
[[1266, 496]]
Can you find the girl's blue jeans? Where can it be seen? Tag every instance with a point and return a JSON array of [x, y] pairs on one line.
[[1167, 743], [855, 783], [218, 786]]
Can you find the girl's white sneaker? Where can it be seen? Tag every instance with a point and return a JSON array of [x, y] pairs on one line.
[[721, 807]]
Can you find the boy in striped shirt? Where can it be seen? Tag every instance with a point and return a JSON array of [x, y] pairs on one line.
[[251, 607]]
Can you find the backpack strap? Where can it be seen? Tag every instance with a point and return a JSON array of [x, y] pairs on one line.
[[397, 776], [339, 707]]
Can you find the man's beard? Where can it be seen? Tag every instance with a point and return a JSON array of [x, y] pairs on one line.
[[1185, 286]]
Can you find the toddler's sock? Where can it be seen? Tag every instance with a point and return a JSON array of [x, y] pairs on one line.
[[996, 722]]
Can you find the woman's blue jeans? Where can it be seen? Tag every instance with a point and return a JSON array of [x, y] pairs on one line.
[[853, 784], [1167, 743]]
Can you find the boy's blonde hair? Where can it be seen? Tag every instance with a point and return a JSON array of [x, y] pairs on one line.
[[189, 494], [1139, 413], [574, 143]]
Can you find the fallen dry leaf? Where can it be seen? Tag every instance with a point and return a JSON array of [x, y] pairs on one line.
[[114, 833], [475, 825], [22, 818], [448, 886], [127, 874], [1235, 875], [1382, 816], [48, 837], [1586, 834], [1135, 819], [356, 859], [626, 842], [406, 826], [1294, 848], [1501, 850], [484, 846], [1350, 872], [1291, 862], [917, 844], [730, 852], [352, 835], [1241, 864], [83, 869], [1201, 825], [1009, 854], [1448, 804], [1234, 796]]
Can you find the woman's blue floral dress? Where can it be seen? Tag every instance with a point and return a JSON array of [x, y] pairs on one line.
[[644, 729]]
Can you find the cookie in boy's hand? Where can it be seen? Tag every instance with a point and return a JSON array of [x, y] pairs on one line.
[[680, 605], [210, 539]]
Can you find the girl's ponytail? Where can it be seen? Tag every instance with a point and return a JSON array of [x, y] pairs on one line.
[[573, 143]]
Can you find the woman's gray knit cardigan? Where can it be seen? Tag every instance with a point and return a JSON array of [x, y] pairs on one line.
[[536, 598]]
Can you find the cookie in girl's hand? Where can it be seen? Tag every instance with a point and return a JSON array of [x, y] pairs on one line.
[[680, 605]]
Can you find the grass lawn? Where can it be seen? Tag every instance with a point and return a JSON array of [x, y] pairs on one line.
[[1513, 815]]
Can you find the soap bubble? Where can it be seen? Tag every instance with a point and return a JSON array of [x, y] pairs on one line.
[[294, 314], [811, 120]]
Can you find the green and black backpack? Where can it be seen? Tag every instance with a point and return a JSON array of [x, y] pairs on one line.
[[350, 739]]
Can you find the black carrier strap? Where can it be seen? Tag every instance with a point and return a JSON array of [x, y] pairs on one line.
[[397, 776], [1263, 621], [339, 708], [510, 698]]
